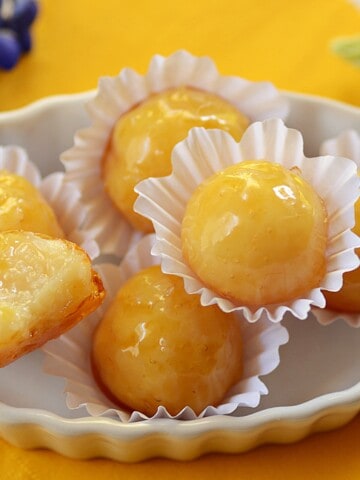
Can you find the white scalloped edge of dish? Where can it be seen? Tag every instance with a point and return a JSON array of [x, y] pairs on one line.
[[321, 392]]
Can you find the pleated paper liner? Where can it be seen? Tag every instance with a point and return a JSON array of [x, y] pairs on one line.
[[205, 152], [116, 96], [64, 198], [347, 144], [69, 355]]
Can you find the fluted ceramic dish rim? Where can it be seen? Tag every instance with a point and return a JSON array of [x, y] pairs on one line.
[[89, 437]]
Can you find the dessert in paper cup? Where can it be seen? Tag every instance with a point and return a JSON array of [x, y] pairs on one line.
[[254, 226], [135, 122], [47, 280], [70, 355], [345, 303], [63, 198]]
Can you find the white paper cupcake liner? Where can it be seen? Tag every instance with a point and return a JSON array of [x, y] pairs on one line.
[[347, 144], [116, 96], [64, 198], [69, 355], [327, 316], [204, 152]]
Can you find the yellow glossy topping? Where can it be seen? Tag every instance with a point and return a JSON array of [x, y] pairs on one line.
[[142, 140], [256, 233], [157, 346], [22, 207], [348, 298], [47, 285]]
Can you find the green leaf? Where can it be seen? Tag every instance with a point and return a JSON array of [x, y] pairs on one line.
[[348, 48]]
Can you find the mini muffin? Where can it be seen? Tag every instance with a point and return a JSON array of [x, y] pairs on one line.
[[157, 346], [347, 299], [135, 122], [256, 233], [47, 283], [47, 286], [47, 205], [157, 321], [22, 207], [143, 138], [265, 234]]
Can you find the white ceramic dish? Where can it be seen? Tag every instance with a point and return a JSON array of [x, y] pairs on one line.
[[316, 387]]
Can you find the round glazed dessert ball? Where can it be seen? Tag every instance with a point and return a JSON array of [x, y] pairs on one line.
[[256, 233], [157, 345], [143, 138], [347, 299], [22, 207], [47, 286]]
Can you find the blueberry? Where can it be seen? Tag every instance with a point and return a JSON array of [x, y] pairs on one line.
[[14, 31], [10, 50], [24, 40], [24, 14]]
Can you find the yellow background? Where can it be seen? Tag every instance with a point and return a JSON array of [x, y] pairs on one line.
[[284, 41]]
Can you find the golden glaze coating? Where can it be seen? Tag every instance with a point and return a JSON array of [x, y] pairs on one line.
[[22, 207], [347, 299], [256, 233], [157, 346], [143, 138]]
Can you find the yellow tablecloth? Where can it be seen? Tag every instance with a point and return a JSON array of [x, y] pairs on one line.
[[285, 42]]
